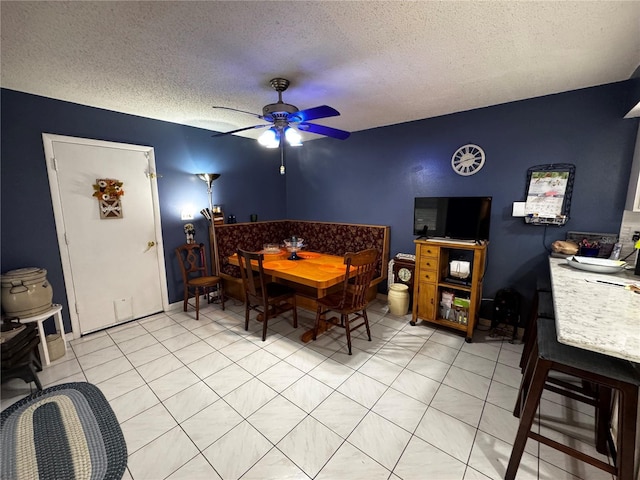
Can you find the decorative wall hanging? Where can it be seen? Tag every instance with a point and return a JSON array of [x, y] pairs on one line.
[[108, 192], [549, 189], [190, 232]]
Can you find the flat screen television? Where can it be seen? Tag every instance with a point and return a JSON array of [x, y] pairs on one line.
[[456, 218]]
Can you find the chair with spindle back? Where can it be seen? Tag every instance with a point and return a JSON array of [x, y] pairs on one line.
[[195, 275], [269, 299], [352, 299]]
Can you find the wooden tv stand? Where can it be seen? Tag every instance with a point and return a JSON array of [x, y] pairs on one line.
[[431, 280]]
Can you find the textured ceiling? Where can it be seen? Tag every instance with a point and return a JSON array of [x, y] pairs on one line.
[[378, 63]]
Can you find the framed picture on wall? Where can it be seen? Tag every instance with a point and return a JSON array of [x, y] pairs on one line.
[[548, 198]]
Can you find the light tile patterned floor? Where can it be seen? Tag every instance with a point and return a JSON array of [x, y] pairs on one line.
[[207, 400]]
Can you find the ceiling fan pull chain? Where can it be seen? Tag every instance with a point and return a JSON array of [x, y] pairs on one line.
[[281, 158]]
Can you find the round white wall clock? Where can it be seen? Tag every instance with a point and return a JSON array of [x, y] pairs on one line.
[[467, 160]]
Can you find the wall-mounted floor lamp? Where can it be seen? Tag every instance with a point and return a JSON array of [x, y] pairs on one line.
[[209, 178]]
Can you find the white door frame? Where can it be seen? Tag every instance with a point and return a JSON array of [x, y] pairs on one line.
[[48, 140]]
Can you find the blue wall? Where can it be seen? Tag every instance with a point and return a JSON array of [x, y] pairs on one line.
[[372, 177], [249, 183]]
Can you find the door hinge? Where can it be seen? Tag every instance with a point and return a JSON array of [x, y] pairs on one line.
[[66, 239], [77, 309], [54, 163]]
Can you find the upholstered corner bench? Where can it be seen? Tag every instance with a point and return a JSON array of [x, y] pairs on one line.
[[322, 237]]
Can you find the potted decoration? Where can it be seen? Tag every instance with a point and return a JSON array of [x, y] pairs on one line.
[[190, 232], [589, 249]]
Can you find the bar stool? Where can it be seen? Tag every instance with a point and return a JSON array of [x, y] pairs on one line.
[[541, 306], [591, 394], [539, 309], [549, 355]]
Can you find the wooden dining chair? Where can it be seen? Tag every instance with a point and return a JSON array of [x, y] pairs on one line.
[[269, 299], [352, 298], [195, 275]]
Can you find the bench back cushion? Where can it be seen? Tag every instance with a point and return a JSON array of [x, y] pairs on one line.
[[323, 237]]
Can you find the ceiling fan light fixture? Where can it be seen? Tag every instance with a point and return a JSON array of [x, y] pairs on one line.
[[269, 138], [284, 116], [293, 137]]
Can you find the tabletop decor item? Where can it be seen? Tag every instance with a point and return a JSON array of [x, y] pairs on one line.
[[271, 248], [190, 232], [108, 192], [293, 246], [589, 249]]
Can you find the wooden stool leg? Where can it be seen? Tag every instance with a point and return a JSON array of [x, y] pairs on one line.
[[526, 380], [531, 403], [603, 418], [197, 304], [627, 418], [530, 333]]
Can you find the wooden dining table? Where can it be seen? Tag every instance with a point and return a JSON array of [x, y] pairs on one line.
[[313, 276]]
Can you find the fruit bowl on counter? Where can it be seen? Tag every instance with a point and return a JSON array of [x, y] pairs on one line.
[[596, 265]]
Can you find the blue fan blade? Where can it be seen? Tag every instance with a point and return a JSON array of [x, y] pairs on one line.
[[315, 113], [322, 130]]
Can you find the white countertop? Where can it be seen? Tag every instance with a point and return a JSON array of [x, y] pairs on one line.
[[596, 316]]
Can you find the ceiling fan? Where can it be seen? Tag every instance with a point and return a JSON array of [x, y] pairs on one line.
[[283, 117]]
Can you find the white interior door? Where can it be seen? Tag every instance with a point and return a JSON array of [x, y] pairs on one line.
[[113, 267]]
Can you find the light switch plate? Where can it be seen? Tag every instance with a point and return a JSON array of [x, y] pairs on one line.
[[518, 209]]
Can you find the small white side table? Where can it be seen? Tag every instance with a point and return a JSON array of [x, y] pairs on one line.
[[55, 312]]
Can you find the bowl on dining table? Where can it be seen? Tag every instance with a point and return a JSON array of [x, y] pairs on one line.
[[294, 246], [271, 248]]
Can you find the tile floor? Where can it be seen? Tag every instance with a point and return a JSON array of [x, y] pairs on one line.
[[207, 400]]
